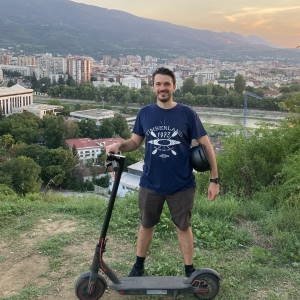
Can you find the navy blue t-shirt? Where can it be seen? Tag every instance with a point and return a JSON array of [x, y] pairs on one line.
[[168, 134]]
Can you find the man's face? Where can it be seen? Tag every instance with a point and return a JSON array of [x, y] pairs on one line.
[[163, 87]]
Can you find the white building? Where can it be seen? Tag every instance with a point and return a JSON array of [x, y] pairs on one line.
[[131, 82], [88, 149], [179, 80], [41, 110], [97, 115], [104, 83], [1, 75], [130, 181], [205, 76], [15, 99]]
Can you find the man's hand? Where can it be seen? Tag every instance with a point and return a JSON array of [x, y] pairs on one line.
[[213, 191], [113, 148]]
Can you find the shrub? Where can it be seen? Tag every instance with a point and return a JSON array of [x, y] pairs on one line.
[[249, 164], [6, 191]]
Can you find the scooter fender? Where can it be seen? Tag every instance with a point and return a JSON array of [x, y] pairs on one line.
[[198, 272]]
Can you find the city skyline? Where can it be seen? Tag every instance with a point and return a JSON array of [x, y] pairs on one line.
[[272, 20]]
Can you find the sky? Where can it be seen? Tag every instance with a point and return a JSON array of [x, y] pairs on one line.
[[277, 21]]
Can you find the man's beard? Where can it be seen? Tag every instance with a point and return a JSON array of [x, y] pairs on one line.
[[164, 99]]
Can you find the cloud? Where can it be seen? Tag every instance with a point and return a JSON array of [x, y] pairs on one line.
[[256, 11]]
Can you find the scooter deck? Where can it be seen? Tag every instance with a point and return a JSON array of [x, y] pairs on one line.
[[151, 285]]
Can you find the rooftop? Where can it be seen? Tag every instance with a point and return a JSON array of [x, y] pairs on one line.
[[83, 143], [5, 91], [95, 114], [138, 166]]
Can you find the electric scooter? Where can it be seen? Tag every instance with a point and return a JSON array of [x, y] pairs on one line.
[[203, 283]]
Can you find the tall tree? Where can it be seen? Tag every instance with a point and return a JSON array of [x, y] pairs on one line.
[[239, 84], [54, 131], [188, 85]]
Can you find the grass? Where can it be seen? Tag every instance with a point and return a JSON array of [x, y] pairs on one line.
[[252, 247]]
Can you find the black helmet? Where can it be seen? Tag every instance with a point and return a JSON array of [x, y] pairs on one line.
[[198, 158]]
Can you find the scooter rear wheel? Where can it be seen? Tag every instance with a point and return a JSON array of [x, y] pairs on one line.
[[85, 291], [206, 286]]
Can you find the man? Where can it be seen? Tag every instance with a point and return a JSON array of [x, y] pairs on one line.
[[168, 129]]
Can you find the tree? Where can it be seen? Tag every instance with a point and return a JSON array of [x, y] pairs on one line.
[[292, 103], [239, 84], [45, 84], [57, 166], [35, 83], [71, 129], [88, 128], [23, 127], [70, 81], [188, 98], [54, 131], [24, 174], [120, 126], [106, 129], [134, 156], [54, 175], [61, 80], [188, 85], [146, 95], [6, 141], [37, 152]]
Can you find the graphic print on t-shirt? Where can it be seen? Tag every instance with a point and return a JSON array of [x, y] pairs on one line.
[[163, 139]]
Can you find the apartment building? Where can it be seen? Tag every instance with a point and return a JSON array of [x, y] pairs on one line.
[[79, 68]]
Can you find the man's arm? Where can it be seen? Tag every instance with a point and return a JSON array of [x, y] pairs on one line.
[[128, 145], [211, 156], [213, 189]]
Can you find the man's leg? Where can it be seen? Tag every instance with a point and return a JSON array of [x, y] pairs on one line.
[[142, 246], [180, 205], [144, 240], [186, 243], [151, 205]]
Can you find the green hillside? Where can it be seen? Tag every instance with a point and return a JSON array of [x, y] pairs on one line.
[[250, 235]]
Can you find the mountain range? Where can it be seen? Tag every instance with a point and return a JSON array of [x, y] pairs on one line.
[[64, 27]]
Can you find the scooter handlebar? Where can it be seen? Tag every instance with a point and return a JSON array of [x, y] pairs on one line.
[[115, 160], [114, 156]]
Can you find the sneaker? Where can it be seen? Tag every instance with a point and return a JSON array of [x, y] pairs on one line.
[[136, 272]]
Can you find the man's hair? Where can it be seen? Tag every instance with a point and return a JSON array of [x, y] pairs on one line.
[[164, 71]]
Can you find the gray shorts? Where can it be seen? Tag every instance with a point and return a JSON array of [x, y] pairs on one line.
[[180, 205]]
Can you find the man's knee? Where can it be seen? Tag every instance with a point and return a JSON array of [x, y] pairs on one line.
[[146, 227], [183, 229]]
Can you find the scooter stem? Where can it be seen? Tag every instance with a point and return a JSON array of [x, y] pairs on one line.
[[118, 166]]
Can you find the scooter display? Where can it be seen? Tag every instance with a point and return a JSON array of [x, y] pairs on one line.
[[203, 283]]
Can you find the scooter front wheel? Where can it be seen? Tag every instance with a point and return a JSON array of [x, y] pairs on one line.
[[90, 286], [206, 286]]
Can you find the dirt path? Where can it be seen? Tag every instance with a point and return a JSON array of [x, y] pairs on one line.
[[24, 267]]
